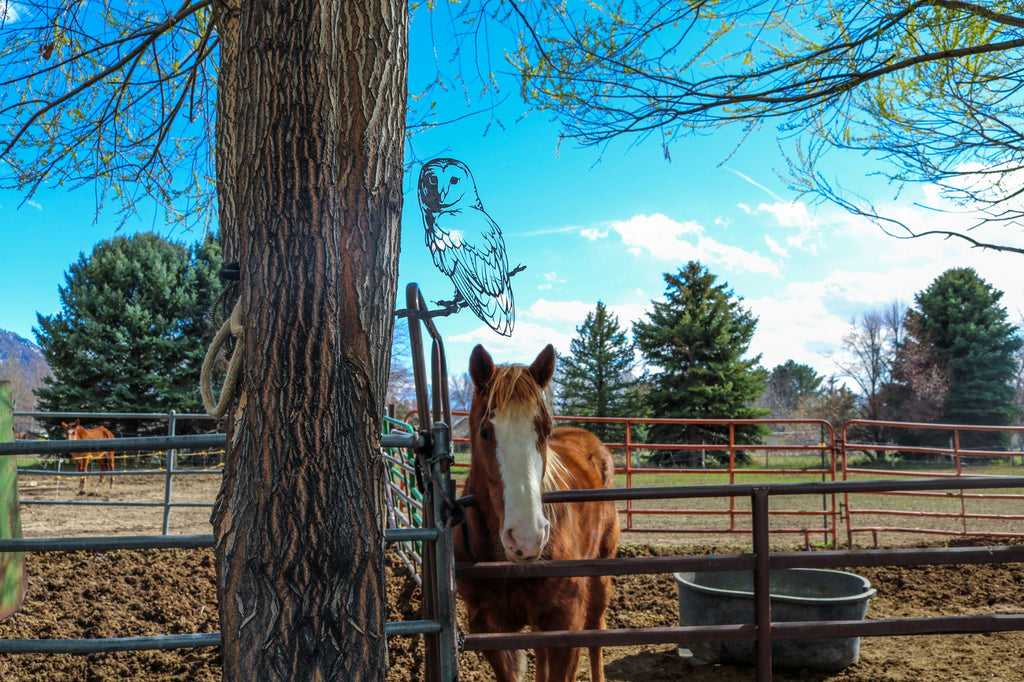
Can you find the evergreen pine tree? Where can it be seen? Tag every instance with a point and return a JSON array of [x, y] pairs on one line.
[[959, 316], [695, 341], [131, 334], [596, 378]]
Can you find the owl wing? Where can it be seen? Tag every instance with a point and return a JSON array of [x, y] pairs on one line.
[[468, 247]]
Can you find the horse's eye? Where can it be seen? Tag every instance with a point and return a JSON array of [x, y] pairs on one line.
[[484, 436]]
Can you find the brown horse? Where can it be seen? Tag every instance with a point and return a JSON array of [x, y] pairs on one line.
[[517, 456], [104, 460]]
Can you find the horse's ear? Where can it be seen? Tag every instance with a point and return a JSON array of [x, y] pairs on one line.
[[65, 425], [543, 368], [78, 422], [481, 366]]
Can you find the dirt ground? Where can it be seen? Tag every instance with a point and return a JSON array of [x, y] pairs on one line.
[[129, 593], [124, 593]]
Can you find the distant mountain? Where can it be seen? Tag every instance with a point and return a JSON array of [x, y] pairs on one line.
[[20, 350], [22, 363]]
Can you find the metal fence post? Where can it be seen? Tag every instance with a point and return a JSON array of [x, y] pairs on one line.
[[438, 588], [444, 558], [171, 457], [762, 583]]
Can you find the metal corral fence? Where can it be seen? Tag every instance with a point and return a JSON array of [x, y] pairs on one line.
[[761, 561], [97, 544], [929, 451], [404, 498], [144, 450], [795, 450], [803, 450]]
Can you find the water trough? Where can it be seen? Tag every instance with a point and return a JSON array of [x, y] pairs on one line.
[[797, 594]]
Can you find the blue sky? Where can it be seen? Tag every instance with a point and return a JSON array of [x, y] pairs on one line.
[[600, 224]]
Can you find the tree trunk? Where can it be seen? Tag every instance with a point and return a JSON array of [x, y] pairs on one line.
[[310, 130]]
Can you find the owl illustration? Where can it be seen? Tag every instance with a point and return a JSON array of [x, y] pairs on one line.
[[466, 243]]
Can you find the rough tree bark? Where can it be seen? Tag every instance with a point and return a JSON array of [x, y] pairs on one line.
[[311, 114]]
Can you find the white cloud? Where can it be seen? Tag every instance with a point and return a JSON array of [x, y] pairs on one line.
[[593, 233], [559, 311], [526, 341], [790, 213], [805, 320], [550, 279], [796, 326], [34, 204], [670, 240], [774, 247], [794, 214]]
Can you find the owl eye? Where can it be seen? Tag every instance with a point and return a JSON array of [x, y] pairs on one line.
[[432, 179], [454, 181]]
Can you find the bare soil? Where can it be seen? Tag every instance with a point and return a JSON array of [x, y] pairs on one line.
[[129, 593]]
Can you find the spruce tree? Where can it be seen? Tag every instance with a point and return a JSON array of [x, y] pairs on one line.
[[596, 378], [960, 317], [131, 333], [695, 342]]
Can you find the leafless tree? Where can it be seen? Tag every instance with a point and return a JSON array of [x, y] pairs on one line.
[[872, 344], [460, 391]]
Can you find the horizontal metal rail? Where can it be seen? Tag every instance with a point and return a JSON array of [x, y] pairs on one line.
[[400, 440], [106, 543], [45, 447], [129, 472], [929, 556], [112, 542], [406, 628], [108, 644], [105, 503], [774, 489], [747, 632], [113, 415]]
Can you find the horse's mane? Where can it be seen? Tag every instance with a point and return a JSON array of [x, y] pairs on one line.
[[513, 386]]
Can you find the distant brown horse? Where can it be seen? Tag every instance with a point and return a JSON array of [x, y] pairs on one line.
[[104, 460], [517, 456]]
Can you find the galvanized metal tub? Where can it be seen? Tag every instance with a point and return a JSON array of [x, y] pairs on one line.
[[797, 594]]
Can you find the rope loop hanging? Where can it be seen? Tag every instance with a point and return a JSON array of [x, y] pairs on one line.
[[231, 327]]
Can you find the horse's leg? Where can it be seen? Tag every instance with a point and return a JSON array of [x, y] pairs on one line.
[[82, 463], [597, 603], [557, 665], [560, 665], [105, 461], [509, 666]]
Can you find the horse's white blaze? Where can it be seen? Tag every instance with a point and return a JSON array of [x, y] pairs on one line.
[[525, 530]]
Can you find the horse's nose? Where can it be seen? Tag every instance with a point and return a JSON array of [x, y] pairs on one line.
[[525, 546]]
